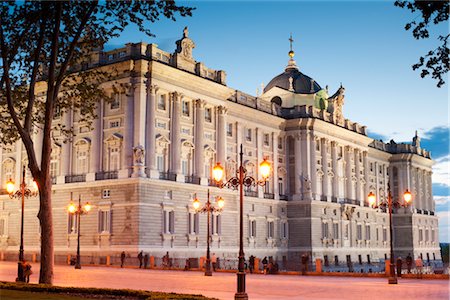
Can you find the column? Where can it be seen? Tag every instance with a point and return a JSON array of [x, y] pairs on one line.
[[366, 175], [358, 196], [313, 174], [150, 131], [430, 192], [127, 150], [276, 192], [18, 172], [325, 178], [298, 167], [259, 158], [335, 179], [175, 142], [96, 146], [222, 135], [140, 110], [348, 173], [199, 154], [377, 183]]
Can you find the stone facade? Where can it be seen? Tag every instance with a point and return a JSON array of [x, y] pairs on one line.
[[152, 149]]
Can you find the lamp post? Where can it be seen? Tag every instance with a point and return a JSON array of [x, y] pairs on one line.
[[208, 209], [78, 211], [235, 182], [389, 204], [23, 193]]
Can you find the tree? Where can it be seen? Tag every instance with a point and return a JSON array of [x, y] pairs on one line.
[[42, 45], [435, 62]]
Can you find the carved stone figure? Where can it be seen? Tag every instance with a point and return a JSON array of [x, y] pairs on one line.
[[138, 155], [185, 45], [337, 101]]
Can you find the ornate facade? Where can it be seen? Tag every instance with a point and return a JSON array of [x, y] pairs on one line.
[[152, 149]]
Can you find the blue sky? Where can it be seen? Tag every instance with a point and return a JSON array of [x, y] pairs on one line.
[[361, 44]]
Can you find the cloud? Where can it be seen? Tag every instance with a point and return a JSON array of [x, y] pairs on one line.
[[441, 171], [437, 141], [442, 200], [444, 226]]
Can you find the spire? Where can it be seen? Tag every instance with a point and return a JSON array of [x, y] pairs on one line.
[[291, 63]]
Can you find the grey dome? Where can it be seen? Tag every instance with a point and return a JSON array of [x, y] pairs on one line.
[[301, 83]]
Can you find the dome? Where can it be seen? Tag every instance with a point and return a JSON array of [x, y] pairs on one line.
[[301, 84]]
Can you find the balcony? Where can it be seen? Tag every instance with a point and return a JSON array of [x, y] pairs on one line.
[[106, 175], [334, 199], [212, 182], [269, 196], [192, 179], [283, 197], [251, 193], [431, 213], [167, 176], [75, 178], [351, 201], [323, 198], [53, 179]]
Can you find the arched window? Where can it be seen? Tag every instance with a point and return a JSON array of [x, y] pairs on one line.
[[8, 170], [113, 150], [82, 147]]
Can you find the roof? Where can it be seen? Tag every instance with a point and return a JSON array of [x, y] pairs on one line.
[[301, 83]]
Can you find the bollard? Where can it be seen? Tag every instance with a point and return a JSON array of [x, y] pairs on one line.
[[68, 259], [2, 256], [318, 265], [202, 263], [256, 265], [152, 262], [33, 257], [387, 264], [108, 260]]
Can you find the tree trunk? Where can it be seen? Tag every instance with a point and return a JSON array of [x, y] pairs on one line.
[[46, 220]]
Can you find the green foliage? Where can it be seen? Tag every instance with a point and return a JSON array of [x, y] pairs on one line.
[[435, 62], [95, 292], [445, 254]]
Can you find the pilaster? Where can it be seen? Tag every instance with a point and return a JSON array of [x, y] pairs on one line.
[[199, 156], [175, 142], [325, 178], [139, 128], [127, 153], [276, 192], [151, 131]]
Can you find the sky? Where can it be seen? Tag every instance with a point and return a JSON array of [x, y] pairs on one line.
[[361, 44]]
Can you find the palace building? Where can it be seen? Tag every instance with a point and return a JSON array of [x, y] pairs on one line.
[[151, 151]]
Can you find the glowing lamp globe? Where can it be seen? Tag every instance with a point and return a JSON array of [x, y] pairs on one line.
[[196, 204], [218, 172], [71, 208], [407, 196], [264, 167], [10, 186], [372, 199], [87, 207], [220, 202]]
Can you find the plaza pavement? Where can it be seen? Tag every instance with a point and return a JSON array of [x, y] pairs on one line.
[[223, 285]]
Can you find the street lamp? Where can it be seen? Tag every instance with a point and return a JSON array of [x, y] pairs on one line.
[[240, 180], [23, 193], [208, 208], [78, 211], [389, 204]]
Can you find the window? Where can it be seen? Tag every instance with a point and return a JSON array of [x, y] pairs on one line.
[[432, 235], [72, 223], [114, 158], [104, 221], [208, 115], [162, 102], [106, 193], [266, 139], [115, 103], [346, 231], [420, 235], [57, 112], [252, 228], [384, 234], [160, 163], [186, 108], [378, 236], [114, 124], [284, 230], [248, 134], [367, 232], [216, 224], [335, 230], [280, 143], [324, 230], [82, 162], [184, 167], [229, 129], [54, 166], [280, 186], [426, 235], [169, 222], [194, 219], [359, 232], [270, 229], [3, 231]]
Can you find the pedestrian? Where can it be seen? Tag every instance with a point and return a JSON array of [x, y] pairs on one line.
[[166, 260], [304, 264], [251, 262], [214, 261], [409, 262], [26, 271], [399, 266], [140, 257], [264, 262], [146, 258], [419, 266], [122, 259]]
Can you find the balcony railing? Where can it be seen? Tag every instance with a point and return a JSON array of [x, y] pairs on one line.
[[351, 201], [75, 178], [283, 197], [106, 175], [53, 179], [251, 193], [269, 196], [212, 182], [167, 176], [192, 179], [323, 198], [334, 199], [431, 213]]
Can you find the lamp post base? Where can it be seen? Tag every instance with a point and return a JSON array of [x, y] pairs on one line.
[[208, 273], [20, 277], [241, 294], [77, 266], [392, 280]]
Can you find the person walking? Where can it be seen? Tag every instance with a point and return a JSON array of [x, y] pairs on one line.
[[251, 263], [26, 271], [122, 259], [214, 261], [140, 257], [264, 262], [399, 266], [409, 262], [146, 258]]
